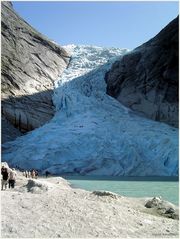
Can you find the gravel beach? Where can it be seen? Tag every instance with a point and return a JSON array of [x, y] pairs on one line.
[[50, 208]]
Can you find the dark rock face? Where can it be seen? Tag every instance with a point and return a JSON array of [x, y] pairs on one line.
[[30, 65], [146, 79]]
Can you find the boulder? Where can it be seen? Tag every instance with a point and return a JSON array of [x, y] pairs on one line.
[[105, 194], [36, 186], [30, 65], [163, 208], [146, 79]]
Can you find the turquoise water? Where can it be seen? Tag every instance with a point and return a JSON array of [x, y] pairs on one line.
[[166, 187]]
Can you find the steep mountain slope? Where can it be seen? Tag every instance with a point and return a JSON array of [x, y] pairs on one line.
[[91, 132], [146, 79], [29, 65]]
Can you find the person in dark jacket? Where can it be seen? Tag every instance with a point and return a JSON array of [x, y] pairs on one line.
[[5, 176], [47, 173]]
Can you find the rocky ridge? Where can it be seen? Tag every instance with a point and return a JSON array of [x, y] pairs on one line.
[[146, 79], [31, 64]]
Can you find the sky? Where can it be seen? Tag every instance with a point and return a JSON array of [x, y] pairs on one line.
[[109, 24]]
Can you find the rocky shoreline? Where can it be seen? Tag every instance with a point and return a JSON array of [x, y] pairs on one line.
[[51, 208]]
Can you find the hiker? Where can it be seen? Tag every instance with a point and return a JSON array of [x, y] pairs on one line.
[[33, 173], [47, 173], [2, 169], [29, 174], [26, 173], [5, 175], [36, 174], [12, 178]]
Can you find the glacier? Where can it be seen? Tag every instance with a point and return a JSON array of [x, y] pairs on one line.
[[91, 132]]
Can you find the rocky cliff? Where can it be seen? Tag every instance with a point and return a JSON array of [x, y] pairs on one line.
[[146, 79], [30, 65]]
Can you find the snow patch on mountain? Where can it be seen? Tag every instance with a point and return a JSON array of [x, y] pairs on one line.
[[92, 133]]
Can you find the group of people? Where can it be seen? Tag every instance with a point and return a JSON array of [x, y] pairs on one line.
[[8, 176], [31, 174]]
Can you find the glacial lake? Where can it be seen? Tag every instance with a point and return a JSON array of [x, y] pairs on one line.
[[166, 187]]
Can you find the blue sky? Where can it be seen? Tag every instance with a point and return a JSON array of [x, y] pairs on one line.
[[117, 24]]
